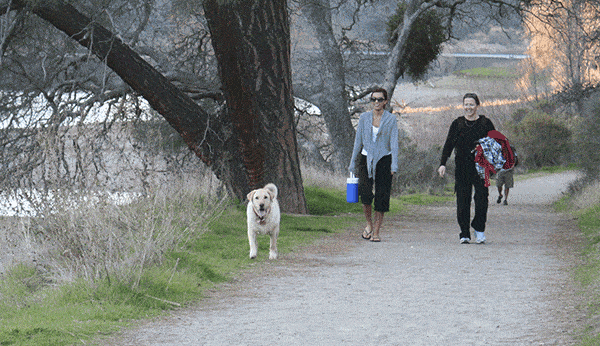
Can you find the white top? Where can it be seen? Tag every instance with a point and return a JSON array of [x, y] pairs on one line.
[[375, 132]]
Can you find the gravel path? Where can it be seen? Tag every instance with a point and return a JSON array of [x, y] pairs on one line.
[[419, 286]]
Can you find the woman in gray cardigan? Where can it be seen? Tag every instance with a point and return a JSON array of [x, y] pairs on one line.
[[375, 160]]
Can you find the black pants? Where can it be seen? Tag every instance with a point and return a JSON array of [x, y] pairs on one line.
[[465, 182], [383, 183]]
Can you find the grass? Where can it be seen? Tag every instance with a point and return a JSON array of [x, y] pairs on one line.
[[34, 310], [490, 72], [589, 224], [552, 169], [588, 274], [585, 207]]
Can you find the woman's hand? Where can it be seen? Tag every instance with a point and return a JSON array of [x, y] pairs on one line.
[[442, 171]]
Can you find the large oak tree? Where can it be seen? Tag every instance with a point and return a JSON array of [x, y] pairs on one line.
[[252, 140]]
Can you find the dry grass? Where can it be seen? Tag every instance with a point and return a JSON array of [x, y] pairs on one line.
[[588, 197], [426, 110], [17, 242], [312, 176], [92, 238]]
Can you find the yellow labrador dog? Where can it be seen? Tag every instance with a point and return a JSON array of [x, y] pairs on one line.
[[263, 218]]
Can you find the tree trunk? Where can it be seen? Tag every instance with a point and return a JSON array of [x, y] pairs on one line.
[[251, 39], [213, 139], [332, 101], [394, 69]]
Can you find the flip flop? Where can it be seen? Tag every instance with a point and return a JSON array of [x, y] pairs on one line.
[[375, 239], [367, 233]]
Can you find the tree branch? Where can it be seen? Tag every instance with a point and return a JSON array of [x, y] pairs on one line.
[[190, 120], [8, 29]]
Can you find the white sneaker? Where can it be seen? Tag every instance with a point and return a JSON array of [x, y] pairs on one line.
[[480, 237], [465, 240]]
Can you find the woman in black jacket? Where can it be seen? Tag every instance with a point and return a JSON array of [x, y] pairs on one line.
[[462, 138]]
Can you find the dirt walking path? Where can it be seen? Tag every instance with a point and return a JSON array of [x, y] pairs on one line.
[[419, 286]]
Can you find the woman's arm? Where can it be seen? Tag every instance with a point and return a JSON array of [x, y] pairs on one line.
[[450, 142]]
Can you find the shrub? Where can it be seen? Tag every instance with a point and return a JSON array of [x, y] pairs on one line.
[[519, 115], [546, 106], [587, 141], [541, 139], [417, 170]]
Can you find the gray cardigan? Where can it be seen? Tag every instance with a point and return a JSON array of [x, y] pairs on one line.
[[386, 142]]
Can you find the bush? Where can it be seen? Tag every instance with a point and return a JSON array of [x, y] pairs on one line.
[[587, 141], [546, 106], [417, 170], [541, 139]]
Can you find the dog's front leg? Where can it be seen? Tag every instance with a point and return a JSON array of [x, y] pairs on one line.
[[253, 247], [273, 246]]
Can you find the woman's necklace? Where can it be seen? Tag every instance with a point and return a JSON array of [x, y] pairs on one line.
[[471, 123]]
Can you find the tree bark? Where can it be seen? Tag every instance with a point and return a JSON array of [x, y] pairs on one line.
[[393, 72], [251, 39], [212, 138]]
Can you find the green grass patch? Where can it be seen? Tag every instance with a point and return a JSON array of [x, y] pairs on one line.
[[590, 341], [589, 221], [589, 224], [552, 169], [333, 202], [421, 199], [323, 201], [588, 274], [564, 204], [490, 72], [32, 312]]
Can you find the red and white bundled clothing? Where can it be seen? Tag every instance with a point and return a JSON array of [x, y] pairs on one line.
[[488, 158]]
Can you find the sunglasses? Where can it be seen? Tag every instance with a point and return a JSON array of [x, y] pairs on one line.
[[378, 99]]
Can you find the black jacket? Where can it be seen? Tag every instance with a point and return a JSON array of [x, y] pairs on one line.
[[462, 138]]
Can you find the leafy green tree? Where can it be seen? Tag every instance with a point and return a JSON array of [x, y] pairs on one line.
[[424, 43]]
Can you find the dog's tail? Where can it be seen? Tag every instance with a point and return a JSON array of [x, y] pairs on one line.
[[271, 187]]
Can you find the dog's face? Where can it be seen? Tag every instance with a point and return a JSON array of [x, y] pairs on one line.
[[261, 201]]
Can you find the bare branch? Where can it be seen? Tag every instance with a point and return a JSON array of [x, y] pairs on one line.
[[7, 27]]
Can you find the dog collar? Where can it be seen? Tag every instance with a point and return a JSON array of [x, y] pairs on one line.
[[261, 219]]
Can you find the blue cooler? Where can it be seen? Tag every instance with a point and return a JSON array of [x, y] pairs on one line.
[[352, 189]]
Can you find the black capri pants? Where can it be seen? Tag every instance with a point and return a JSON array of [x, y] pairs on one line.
[[383, 183]]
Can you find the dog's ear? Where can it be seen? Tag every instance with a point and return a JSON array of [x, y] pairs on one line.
[[250, 195], [272, 190]]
